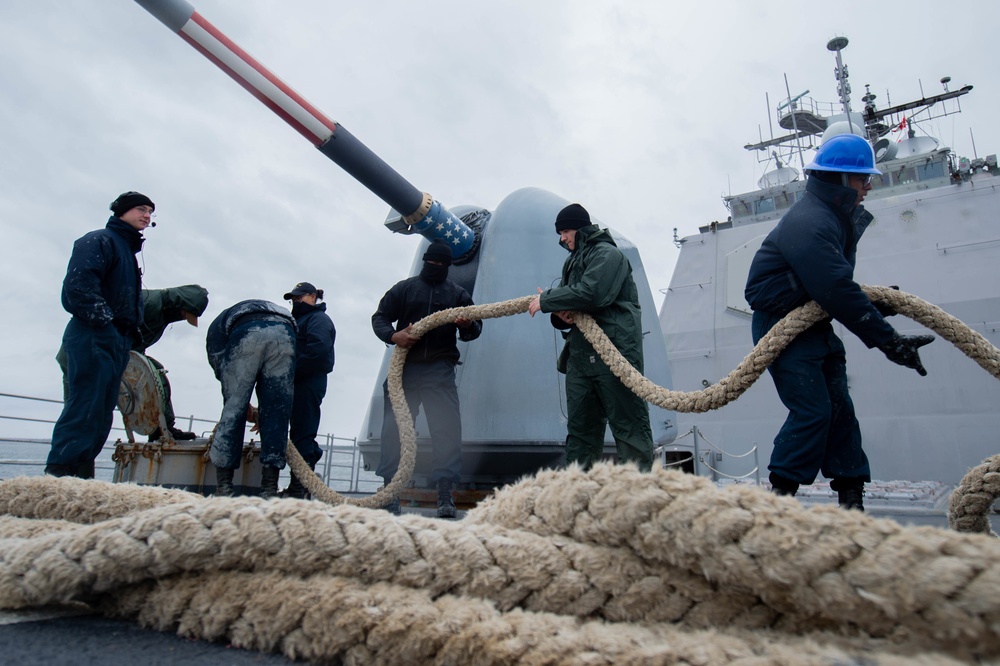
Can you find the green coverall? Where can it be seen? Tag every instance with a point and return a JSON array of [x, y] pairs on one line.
[[597, 280]]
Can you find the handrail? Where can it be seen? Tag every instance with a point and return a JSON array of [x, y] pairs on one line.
[[352, 469]]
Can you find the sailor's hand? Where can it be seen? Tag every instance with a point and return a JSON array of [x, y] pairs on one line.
[[463, 323], [536, 304], [252, 414], [902, 349], [404, 338], [566, 316], [255, 427], [885, 309]]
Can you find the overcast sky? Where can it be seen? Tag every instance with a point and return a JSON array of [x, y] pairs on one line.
[[637, 110]]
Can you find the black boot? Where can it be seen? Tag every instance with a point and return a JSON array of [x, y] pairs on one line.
[[181, 435], [446, 503], [85, 470], [295, 489], [850, 493], [224, 482], [393, 505], [269, 482], [61, 470], [178, 434], [782, 486]]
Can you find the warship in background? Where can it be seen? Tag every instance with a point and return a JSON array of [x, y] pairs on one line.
[[936, 235]]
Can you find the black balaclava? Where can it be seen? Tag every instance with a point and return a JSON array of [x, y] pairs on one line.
[[433, 273]]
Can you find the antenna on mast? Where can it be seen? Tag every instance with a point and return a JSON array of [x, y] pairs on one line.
[[838, 44]]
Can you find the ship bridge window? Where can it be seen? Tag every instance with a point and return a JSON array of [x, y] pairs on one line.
[[929, 171], [907, 175], [784, 200], [765, 205], [740, 208]]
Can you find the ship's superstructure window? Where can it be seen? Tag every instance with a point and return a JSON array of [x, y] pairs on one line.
[[931, 170], [784, 200], [740, 208], [905, 175], [765, 205]]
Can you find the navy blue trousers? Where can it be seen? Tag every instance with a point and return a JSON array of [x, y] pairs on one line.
[[821, 433], [259, 355], [309, 394], [95, 363], [433, 386]]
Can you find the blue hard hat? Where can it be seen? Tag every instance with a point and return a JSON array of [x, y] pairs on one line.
[[845, 153]]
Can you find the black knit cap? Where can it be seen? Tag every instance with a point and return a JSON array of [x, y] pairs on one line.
[[438, 251], [126, 201], [573, 216]]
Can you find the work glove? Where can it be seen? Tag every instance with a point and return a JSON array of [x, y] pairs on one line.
[[885, 309], [902, 349]]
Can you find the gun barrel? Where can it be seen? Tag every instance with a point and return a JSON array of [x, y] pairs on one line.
[[420, 211]]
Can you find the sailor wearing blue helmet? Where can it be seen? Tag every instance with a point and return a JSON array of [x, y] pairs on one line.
[[810, 255]]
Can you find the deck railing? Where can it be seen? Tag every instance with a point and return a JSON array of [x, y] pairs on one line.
[[26, 428]]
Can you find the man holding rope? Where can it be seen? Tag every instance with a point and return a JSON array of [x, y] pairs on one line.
[[597, 280], [429, 373], [810, 255]]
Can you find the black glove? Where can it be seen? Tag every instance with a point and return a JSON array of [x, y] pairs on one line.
[[902, 349], [885, 309]]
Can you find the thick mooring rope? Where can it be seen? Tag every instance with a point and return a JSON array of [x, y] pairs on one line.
[[972, 501], [609, 566], [728, 389]]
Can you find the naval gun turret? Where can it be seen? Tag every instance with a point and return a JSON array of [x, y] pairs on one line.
[[513, 402]]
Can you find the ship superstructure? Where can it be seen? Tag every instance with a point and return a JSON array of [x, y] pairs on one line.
[[936, 235]]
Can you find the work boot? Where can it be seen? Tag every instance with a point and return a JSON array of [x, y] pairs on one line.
[[446, 503], [85, 470], [852, 498], [224, 482], [61, 470], [295, 489], [850, 492], [782, 486], [181, 435], [178, 434], [269, 482], [393, 507]]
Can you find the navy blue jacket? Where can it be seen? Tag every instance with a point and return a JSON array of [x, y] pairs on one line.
[[810, 255], [223, 325], [102, 284], [314, 341], [412, 299]]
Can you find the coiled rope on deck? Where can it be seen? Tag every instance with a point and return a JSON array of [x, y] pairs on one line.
[[608, 566]]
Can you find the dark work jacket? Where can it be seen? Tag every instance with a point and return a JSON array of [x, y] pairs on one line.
[[314, 341], [810, 255], [162, 307], [244, 311], [412, 299], [597, 279], [102, 284]]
